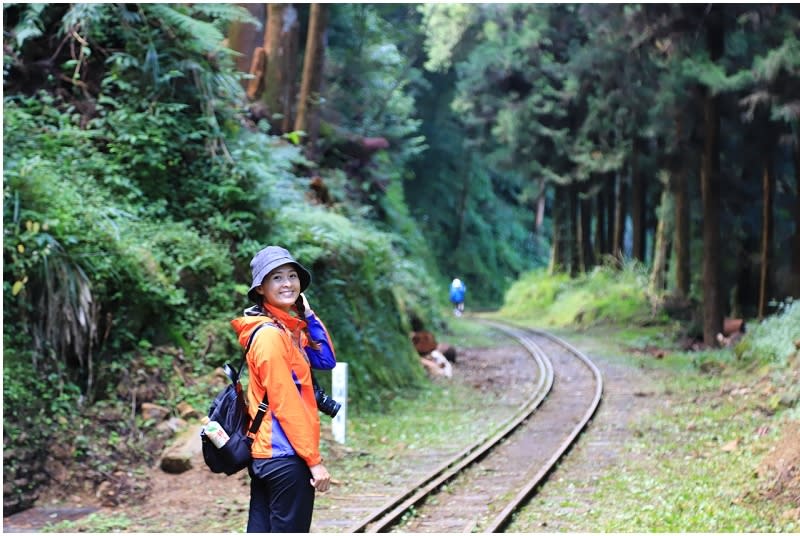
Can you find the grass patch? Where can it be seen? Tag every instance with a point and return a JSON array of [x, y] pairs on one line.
[[773, 339], [604, 295], [690, 466], [465, 332], [96, 522], [694, 468], [431, 419]]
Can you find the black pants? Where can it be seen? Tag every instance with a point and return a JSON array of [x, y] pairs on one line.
[[281, 496]]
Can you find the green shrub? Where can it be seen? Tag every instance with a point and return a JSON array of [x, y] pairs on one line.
[[604, 295], [772, 340], [70, 240], [131, 214], [357, 291]]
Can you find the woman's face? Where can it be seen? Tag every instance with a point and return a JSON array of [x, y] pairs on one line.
[[281, 287]]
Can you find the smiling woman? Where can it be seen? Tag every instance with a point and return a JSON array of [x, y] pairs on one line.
[[281, 287], [287, 465]]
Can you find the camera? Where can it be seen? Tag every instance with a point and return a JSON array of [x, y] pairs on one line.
[[325, 404]]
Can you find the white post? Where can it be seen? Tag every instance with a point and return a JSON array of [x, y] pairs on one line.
[[339, 388]]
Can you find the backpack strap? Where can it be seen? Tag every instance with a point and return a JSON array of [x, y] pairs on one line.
[[264, 404], [262, 410], [247, 349]]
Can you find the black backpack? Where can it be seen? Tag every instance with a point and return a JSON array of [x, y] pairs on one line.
[[229, 410]]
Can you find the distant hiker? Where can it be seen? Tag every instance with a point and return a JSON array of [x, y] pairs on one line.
[[458, 291], [287, 466]]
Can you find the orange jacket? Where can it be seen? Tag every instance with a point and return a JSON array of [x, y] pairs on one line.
[[276, 363]]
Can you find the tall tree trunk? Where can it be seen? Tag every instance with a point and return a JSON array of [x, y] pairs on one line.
[[682, 215], [313, 63], [794, 284], [558, 248], [572, 221], [767, 223], [711, 190], [620, 194], [540, 206], [586, 253], [245, 38], [610, 193], [638, 193], [600, 247], [280, 48], [290, 68], [662, 240]]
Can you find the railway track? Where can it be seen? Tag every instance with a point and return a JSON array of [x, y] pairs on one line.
[[479, 488]]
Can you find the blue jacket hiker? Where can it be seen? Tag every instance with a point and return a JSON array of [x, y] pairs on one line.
[[458, 291]]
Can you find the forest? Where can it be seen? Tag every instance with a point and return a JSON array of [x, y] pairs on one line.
[[149, 150]]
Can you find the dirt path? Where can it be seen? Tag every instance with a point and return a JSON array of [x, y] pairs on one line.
[[200, 501]]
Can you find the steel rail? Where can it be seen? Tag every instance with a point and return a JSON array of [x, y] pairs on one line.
[[503, 518], [388, 513]]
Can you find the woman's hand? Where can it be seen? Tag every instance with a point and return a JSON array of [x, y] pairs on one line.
[[320, 478], [306, 305]]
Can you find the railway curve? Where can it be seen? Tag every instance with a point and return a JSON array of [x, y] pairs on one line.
[[480, 488]]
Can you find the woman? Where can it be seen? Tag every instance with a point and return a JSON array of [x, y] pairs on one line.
[[287, 466]]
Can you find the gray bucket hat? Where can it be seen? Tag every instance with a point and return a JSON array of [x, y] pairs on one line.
[[267, 260]]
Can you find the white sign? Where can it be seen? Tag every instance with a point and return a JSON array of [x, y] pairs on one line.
[[339, 394]]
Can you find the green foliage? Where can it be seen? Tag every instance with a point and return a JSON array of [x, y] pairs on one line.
[[94, 522], [477, 208], [710, 74], [474, 218], [604, 295], [784, 58], [369, 42], [157, 216], [38, 405], [164, 265], [772, 340], [359, 290], [692, 457], [771, 71], [103, 213], [509, 96], [30, 24], [201, 36], [122, 258], [445, 24]]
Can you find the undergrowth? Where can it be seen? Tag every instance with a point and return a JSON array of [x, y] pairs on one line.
[[689, 467], [131, 213], [692, 464], [773, 339], [604, 295]]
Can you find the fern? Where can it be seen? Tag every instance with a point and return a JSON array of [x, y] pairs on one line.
[[30, 25], [82, 16], [786, 57], [201, 36], [226, 13]]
